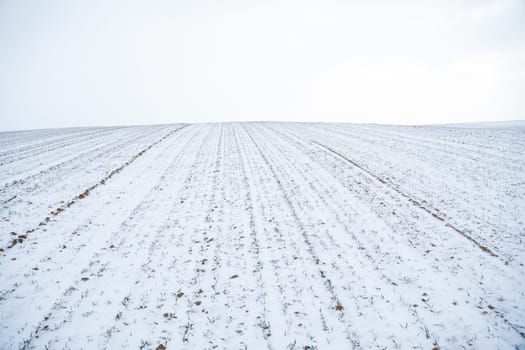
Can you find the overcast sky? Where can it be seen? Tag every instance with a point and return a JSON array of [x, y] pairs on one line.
[[82, 63]]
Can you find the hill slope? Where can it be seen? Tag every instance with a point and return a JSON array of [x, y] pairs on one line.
[[263, 235]]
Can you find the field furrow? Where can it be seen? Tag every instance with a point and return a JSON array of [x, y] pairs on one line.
[[263, 236]]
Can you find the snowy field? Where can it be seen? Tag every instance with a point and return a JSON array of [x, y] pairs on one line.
[[263, 236]]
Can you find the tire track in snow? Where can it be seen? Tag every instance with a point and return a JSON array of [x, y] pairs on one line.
[[152, 263], [107, 148], [15, 155], [178, 281], [367, 237], [80, 229], [144, 255], [433, 212], [371, 136], [99, 263], [21, 237], [498, 314], [413, 169]]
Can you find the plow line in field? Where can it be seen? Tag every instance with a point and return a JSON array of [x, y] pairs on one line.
[[415, 202], [93, 153], [310, 247], [262, 235], [21, 237]]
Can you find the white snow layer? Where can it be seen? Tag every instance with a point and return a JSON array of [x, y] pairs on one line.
[[263, 236]]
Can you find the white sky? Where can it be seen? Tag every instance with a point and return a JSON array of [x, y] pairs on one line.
[[82, 63]]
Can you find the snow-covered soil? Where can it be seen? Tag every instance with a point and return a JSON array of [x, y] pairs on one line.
[[263, 235]]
